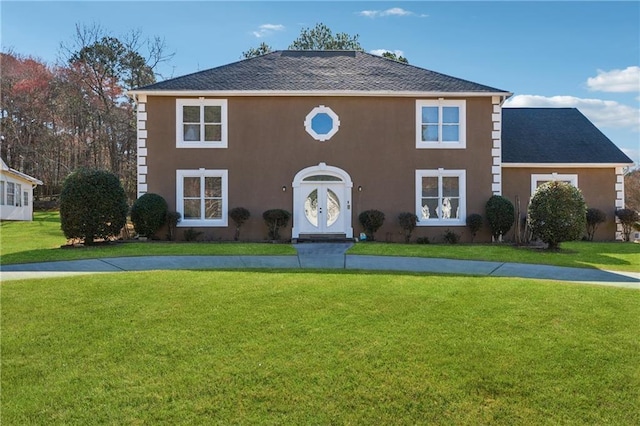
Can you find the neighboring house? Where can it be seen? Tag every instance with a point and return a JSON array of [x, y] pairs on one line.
[[324, 135], [16, 194]]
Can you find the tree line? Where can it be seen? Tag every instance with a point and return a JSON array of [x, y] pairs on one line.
[[59, 118]]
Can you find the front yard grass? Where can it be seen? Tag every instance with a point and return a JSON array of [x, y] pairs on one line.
[[614, 256], [307, 347]]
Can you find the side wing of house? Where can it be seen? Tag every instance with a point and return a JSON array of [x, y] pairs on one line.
[[16, 194], [561, 144], [324, 155]]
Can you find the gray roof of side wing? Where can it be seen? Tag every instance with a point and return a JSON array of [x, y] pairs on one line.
[[555, 135], [311, 70]]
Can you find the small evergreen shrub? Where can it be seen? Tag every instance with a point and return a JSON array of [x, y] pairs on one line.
[[148, 214], [423, 240], [239, 215], [474, 223], [276, 219], [557, 213], [594, 218], [408, 223], [173, 218], [371, 221], [627, 218], [500, 215], [451, 237], [93, 205], [192, 235]]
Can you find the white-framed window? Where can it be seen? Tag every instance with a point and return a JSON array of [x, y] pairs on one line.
[[441, 197], [541, 179], [18, 195], [201, 123], [25, 198], [11, 194], [201, 197], [2, 193], [441, 124], [322, 123]]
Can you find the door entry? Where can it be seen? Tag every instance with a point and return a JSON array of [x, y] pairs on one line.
[[322, 202]]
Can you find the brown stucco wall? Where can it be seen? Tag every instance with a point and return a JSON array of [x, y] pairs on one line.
[[597, 186], [268, 145]]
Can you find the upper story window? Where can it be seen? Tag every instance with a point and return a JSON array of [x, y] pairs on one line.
[[322, 123], [441, 124], [201, 123]]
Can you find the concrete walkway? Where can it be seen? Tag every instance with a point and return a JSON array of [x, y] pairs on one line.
[[321, 256]]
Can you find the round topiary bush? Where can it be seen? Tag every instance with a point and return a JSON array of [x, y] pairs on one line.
[[239, 215], [148, 214], [408, 222], [500, 215], [371, 221], [275, 219], [557, 213], [594, 218], [93, 205]]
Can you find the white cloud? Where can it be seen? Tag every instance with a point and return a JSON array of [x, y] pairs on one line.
[[626, 80], [266, 29], [394, 11], [602, 113], [380, 52]]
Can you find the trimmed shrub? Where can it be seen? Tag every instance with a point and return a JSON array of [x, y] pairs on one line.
[[192, 235], [451, 237], [276, 219], [594, 218], [371, 221], [408, 223], [173, 218], [239, 215], [474, 223], [423, 240], [557, 213], [148, 214], [93, 205], [500, 215], [627, 218]]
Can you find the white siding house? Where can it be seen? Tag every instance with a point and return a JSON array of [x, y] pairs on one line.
[[16, 194]]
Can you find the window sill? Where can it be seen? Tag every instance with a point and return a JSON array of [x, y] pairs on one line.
[[440, 145], [453, 222], [218, 223], [206, 145]]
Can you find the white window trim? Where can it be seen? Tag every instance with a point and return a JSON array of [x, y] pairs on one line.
[[334, 119], [2, 192], [202, 173], [535, 178], [201, 102], [25, 198], [440, 173], [461, 144]]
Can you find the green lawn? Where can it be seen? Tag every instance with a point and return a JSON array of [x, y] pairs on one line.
[[307, 348], [40, 241], [615, 256]]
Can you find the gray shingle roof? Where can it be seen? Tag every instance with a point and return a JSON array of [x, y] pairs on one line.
[[555, 135], [308, 70]]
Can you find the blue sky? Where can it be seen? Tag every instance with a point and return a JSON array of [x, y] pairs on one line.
[[565, 54]]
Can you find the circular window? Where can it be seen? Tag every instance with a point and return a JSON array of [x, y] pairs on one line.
[[322, 123]]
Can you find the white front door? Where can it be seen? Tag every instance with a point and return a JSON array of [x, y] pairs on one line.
[[322, 202]]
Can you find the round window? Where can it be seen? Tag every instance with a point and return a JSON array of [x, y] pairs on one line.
[[322, 123]]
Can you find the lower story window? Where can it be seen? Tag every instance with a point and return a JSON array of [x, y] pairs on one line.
[[11, 194], [201, 197], [25, 198], [441, 197]]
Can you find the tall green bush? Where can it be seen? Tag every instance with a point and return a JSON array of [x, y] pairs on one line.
[[239, 215], [474, 223], [148, 214], [93, 205], [594, 218], [628, 219], [500, 215], [408, 222], [557, 213], [371, 221], [276, 219]]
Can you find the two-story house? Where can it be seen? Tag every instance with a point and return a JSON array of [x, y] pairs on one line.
[[329, 134]]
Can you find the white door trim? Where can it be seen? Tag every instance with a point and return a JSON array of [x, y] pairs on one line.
[[298, 185]]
